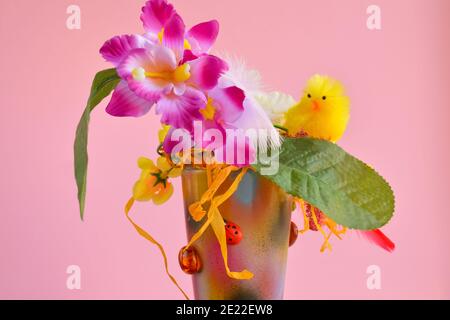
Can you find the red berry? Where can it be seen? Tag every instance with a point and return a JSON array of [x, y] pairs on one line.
[[293, 235], [189, 260], [233, 232]]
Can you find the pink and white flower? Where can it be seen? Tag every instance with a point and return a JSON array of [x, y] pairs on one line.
[[157, 73], [170, 68], [156, 15]]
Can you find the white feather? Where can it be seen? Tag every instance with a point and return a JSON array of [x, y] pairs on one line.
[[241, 76], [254, 115]]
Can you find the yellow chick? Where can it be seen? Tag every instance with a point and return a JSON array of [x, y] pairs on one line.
[[323, 111]]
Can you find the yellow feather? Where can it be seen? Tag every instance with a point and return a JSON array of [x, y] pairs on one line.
[[323, 111]]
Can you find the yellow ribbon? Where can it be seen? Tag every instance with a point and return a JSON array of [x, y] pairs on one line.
[[196, 209], [215, 219], [148, 237]]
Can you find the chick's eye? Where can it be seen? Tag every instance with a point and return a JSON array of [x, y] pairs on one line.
[[309, 95], [324, 98]]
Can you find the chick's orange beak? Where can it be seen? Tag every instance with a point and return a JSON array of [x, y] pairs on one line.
[[315, 105]]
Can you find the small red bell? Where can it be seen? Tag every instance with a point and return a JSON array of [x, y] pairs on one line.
[[189, 260], [293, 235], [233, 232]]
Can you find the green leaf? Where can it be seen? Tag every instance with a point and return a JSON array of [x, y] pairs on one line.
[[344, 188], [104, 83]]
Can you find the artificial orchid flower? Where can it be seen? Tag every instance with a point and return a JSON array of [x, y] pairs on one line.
[[156, 74], [224, 108], [156, 15], [153, 184], [229, 107]]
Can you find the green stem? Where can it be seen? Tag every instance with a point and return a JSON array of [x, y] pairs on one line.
[[281, 128]]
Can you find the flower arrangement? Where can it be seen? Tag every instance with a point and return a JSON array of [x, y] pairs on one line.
[[216, 119]]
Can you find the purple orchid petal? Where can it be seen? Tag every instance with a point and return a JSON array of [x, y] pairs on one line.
[[173, 37], [209, 140], [163, 59], [116, 49], [155, 15], [179, 88], [237, 152], [125, 103], [255, 118], [229, 103], [202, 36], [206, 71], [152, 38], [181, 111], [188, 55], [152, 59], [157, 60]]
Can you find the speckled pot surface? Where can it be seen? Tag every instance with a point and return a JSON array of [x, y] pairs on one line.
[[263, 212]]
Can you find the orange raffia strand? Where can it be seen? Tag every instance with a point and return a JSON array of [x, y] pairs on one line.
[[149, 238], [326, 244], [215, 219], [196, 209], [305, 217], [333, 228], [209, 176]]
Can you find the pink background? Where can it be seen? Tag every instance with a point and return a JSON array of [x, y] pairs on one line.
[[398, 80]]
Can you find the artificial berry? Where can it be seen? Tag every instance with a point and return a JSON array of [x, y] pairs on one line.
[[189, 260], [293, 235]]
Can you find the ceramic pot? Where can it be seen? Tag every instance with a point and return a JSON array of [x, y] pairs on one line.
[[263, 212]]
